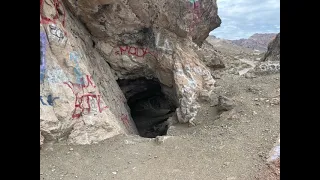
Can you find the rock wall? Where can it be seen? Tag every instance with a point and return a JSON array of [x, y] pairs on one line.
[[86, 45], [273, 53], [270, 63]]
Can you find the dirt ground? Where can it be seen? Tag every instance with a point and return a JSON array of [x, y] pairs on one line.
[[232, 146]]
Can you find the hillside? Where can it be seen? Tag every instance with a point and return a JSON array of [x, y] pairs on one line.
[[256, 41]]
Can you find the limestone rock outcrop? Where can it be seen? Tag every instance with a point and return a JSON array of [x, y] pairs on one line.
[[87, 45], [273, 53], [270, 63]]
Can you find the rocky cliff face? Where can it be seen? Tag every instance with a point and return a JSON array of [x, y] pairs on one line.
[[89, 47], [273, 53], [270, 63]]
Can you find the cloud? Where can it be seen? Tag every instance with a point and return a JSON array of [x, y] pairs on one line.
[[242, 18]]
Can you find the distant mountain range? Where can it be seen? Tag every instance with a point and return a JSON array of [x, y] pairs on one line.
[[256, 41]]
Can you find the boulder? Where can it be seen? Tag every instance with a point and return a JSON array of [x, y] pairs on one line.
[[87, 45], [225, 103]]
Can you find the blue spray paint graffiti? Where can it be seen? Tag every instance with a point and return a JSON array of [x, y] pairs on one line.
[[193, 1], [43, 41], [43, 103], [75, 57], [50, 100]]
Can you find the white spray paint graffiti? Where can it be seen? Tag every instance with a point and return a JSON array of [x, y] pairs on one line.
[[75, 57], [55, 33], [166, 44], [56, 75], [192, 83], [93, 106], [198, 70]]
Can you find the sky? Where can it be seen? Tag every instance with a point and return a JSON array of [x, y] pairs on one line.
[[243, 18]]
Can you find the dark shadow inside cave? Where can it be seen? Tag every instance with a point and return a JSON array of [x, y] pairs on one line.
[[150, 107]]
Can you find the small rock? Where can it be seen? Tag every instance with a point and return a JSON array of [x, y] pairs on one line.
[[256, 99], [155, 156], [71, 149], [275, 101], [217, 76], [225, 104], [254, 113], [114, 172], [249, 76], [129, 142], [225, 164], [161, 139]]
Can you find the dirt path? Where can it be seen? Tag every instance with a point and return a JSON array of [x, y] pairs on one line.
[[232, 147], [251, 63]]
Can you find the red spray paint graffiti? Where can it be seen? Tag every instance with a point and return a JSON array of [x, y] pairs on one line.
[[46, 20], [82, 102], [125, 120], [195, 5], [139, 52]]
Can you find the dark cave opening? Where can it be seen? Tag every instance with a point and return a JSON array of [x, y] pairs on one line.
[[150, 107]]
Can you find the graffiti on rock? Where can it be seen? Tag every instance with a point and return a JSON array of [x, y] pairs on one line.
[[136, 51], [57, 32], [194, 5], [84, 101], [75, 57], [50, 100], [42, 56], [125, 120], [166, 45], [46, 20], [56, 75]]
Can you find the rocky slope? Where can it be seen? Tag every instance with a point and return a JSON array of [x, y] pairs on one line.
[[227, 47], [270, 63], [273, 53], [256, 41], [88, 47]]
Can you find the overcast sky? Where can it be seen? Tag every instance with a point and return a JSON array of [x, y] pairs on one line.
[[242, 18]]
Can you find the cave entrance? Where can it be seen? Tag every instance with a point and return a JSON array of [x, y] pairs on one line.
[[150, 107]]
